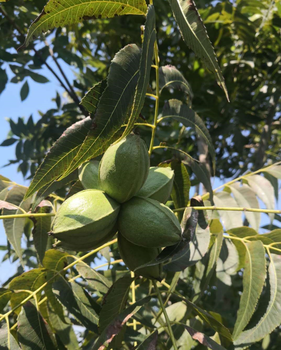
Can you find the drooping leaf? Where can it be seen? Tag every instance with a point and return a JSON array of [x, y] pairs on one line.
[[274, 170], [24, 91], [253, 281], [64, 331], [114, 106], [199, 170], [30, 281], [14, 227], [7, 341], [91, 99], [246, 198], [170, 77], [181, 184], [272, 317], [149, 343], [216, 230], [42, 225], [183, 114], [144, 69], [204, 339], [229, 219], [60, 155], [117, 323], [195, 36], [33, 331], [94, 278], [56, 15], [5, 295], [263, 189], [114, 301], [77, 302]]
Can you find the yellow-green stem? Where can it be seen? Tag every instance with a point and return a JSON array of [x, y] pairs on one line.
[[165, 315], [156, 111], [254, 210], [27, 215], [55, 275]]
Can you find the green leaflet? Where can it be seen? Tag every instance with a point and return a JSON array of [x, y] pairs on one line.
[[246, 198], [114, 301], [114, 106], [170, 77], [33, 331], [144, 69], [272, 317], [94, 278], [195, 35], [183, 114], [253, 281], [204, 339], [77, 302], [229, 219], [60, 156], [91, 99], [149, 343], [263, 189], [58, 14], [5, 295], [14, 227]]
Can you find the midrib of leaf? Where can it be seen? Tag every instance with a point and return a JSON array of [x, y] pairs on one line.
[[75, 163], [48, 171], [40, 326], [172, 82], [246, 314], [59, 13], [264, 318], [220, 79]]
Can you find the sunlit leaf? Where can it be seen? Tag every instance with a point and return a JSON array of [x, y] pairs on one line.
[[144, 69], [272, 317], [114, 106], [253, 281], [195, 36], [60, 155], [58, 14], [4, 336], [5, 295], [229, 219]]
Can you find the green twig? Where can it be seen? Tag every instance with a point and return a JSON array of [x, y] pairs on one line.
[[166, 316], [254, 210], [27, 215]]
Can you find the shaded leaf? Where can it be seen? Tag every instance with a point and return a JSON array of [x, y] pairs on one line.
[[204, 339], [114, 301], [246, 198], [64, 331], [272, 317], [8, 142], [144, 69], [56, 15], [116, 325], [170, 77], [5, 295], [149, 343], [13, 345], [55, 260], [3, 79], [94, 278], [195, 36], [91, 99], [253, 281], [24, 91], [14, 227], [77, 302], [114, 106], [33, 331], [42, 225], [183, 114], [60, 155]]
